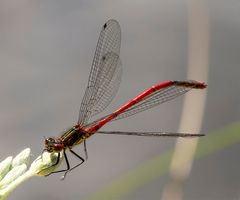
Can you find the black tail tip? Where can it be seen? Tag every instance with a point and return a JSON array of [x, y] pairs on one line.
[[191, 84]]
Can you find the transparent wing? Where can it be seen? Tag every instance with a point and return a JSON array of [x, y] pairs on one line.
[[156, 98], [108, 83], [159, 96], [105, 73], [154, 134]]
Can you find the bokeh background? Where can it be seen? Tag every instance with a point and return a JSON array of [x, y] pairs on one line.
[[46, 50]]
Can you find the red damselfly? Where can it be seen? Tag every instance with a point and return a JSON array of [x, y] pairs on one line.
[[102, 86]]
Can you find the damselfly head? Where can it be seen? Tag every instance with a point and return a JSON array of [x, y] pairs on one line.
[[53, 145]]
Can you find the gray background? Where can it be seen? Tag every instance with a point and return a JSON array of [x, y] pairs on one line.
[[46, 50]]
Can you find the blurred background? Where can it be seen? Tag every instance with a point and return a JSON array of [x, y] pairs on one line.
[[46, 51]]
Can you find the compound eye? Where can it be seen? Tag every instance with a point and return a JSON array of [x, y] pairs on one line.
[[50, 140]]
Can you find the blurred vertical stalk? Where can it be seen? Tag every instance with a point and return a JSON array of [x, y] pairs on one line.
[[194, 103]]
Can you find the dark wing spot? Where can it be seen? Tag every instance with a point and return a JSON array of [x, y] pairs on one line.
[[105, 25], [103, 58]]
